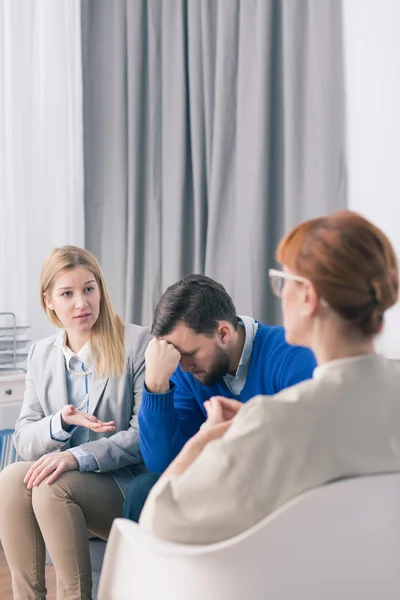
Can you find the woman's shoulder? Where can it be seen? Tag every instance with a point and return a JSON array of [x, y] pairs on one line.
[[45, 345], [286, 403], [135, 332], [40, 350], [137, 338], [290, 396]]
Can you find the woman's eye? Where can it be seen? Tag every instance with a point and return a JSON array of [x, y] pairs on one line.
[[90, 289], [66, 294]]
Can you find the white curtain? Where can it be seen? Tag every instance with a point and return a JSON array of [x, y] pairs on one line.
[[41, 147], [372, 67]]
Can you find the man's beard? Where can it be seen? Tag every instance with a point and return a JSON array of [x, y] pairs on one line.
[[219, 369]]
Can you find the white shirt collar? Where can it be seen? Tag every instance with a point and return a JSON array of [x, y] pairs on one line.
[[83, 356], [250, 328]]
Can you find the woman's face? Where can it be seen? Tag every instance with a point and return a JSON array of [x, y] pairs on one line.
[[75, 298]]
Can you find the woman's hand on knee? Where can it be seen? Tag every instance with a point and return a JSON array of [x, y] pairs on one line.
[[51, 465]]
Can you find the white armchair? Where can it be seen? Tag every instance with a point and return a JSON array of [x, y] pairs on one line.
[[338, 542]]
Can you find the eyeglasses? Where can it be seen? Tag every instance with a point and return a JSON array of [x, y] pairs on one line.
[[277, 280]]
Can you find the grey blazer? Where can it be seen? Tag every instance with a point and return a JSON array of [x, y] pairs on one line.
[[116, 399]]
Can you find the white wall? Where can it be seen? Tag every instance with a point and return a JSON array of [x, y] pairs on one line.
[[372, 73]]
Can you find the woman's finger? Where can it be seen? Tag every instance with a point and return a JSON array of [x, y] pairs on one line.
[[90, 418], [32, 468], [218, 430], [28, 475], [229, 407], [229, 403], [30, 481], [68, 410], [60, 469], [90, 421], [94, 425], [105, 423], [46, 471], [36, 473], [228, 413], [79, 418], [103, 428], [217, 408]]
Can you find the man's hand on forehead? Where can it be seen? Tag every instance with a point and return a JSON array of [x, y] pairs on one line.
[[162, 360]]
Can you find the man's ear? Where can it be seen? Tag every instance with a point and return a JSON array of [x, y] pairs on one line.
[[48, 301], [224, 331]]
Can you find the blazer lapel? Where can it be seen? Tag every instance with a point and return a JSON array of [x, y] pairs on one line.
[[58, 372], [95, 392]]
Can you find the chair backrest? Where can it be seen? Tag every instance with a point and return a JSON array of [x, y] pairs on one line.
[[338, 542], [8, 453]]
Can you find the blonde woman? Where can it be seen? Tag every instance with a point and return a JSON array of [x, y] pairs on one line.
[[77, 430]]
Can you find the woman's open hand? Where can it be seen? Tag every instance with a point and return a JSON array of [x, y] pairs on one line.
[[73, 417]]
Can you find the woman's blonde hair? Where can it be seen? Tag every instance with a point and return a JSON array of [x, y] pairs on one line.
[[107, 335]]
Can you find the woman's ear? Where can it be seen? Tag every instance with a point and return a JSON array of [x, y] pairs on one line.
[[48, 301], [311, 301]]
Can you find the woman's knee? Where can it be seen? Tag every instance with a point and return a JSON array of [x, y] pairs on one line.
[[13, 490], [44, 496]]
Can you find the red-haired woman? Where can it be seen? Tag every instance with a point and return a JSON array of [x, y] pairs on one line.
[[339, 275]]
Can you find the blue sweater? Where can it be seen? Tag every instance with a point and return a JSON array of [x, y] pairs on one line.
[[167, 421]]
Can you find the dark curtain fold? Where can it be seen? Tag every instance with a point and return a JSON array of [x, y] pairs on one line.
[[210, 128]]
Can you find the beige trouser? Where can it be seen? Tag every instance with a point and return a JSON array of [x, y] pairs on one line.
[[59, 515]]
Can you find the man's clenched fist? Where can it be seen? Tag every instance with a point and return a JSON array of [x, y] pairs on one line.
[[162, 360]]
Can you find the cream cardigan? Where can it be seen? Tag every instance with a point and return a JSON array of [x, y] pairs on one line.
[[344, 422]]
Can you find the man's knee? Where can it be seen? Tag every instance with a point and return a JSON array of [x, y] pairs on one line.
[[137, 493]]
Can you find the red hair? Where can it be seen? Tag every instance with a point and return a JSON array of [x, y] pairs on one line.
[[350, 262]]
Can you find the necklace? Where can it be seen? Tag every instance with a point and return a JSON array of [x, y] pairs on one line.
[[83, 403], [82, 373], [78, 373]]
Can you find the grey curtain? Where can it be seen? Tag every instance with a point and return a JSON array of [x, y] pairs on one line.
[[210, 128]]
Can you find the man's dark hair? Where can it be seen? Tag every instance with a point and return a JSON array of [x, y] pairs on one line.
[[196, 301]]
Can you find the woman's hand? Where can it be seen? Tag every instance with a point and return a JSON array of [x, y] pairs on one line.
[[220, 414], [193, 447], [72, 417], [220, 409], [55, 463]]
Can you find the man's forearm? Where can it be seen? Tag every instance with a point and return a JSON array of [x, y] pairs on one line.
[[161, 438]]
